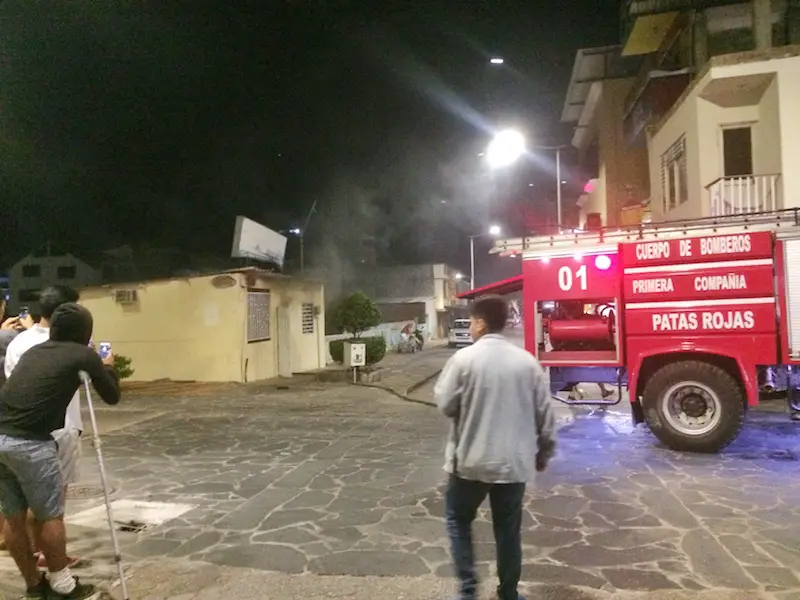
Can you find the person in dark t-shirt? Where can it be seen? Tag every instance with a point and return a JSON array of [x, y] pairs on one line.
[[33, 403]]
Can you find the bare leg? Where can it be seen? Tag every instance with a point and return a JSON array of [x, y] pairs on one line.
[[2, 540], [53, 542], [33, 531], [19, 546]]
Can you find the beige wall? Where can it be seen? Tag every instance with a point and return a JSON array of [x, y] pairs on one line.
[[767, 155], [776, 136], [179, 329], [190, 330], [621, 164]]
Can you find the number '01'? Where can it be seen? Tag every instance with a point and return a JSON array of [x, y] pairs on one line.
[[566, 279]]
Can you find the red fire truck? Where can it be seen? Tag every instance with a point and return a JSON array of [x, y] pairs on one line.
[[696, 319]]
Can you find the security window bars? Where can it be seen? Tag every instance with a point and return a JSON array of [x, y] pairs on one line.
[[258, 329], [674, 188], [308, 317]]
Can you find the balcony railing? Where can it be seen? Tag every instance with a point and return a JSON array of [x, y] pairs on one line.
[[744, 194]]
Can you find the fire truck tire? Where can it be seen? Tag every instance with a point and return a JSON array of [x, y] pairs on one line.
[[693, 406]]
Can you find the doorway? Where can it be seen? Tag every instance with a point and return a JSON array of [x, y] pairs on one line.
[[737, 151]]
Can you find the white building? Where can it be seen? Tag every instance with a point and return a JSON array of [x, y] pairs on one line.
[[695, 113], [731, 144], [38, 270]]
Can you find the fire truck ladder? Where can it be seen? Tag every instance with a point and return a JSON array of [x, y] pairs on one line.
[[578, 239]]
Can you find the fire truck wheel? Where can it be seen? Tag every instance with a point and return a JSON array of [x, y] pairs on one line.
[[693, 406]]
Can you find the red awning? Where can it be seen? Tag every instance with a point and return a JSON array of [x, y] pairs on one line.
[[506, 286]]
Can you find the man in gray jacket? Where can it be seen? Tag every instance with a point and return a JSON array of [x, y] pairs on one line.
[[502, 432]]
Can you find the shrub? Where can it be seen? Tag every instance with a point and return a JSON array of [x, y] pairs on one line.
[[122, 366], [355, 314], [376, 349], [337, 351]]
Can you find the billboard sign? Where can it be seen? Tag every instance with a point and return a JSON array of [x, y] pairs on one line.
[[253, 240]]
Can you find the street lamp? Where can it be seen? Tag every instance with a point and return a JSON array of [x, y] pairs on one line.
[[506, 147], [497, 61], [301, 233], [559, 182], [494, 230]]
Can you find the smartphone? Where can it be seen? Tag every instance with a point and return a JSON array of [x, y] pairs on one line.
[[104, 349], [24, 312]]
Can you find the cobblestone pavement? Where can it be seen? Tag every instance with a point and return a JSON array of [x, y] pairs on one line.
[[346, 481]]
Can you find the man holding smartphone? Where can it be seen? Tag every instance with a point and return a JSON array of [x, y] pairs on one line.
[[67, 438], [34, 403], [10, 328]]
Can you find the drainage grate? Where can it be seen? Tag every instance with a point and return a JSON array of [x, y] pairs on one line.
[[81, 492], [130, 516], [131, 526]]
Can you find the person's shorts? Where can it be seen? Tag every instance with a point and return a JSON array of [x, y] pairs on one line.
[[30, 477], [68, 442]]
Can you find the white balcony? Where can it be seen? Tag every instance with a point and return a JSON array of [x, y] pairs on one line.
[[744, 194]]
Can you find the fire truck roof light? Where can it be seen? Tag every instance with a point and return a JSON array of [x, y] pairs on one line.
[[578, 256], [602, 262]]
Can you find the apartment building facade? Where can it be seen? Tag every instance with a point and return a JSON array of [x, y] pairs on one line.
[[700, 117]]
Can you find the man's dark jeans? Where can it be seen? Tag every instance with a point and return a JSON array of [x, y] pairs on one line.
[[462, 500]]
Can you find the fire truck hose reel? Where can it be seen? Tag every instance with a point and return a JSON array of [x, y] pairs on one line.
[[586, 329]]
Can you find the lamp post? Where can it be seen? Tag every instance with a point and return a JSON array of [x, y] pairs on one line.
[[559, 183], [301, 233], [494, 230]]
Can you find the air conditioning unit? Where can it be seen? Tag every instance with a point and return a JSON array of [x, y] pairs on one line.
[[126, 296]]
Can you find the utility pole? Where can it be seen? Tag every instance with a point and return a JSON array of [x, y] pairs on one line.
[[558, 150], [303, 237], [472, 262]]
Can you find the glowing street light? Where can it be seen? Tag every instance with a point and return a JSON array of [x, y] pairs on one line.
[[494, 230], [497, 61], [506, 147]]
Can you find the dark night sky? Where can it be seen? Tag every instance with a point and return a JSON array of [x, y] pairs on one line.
[[125, 121]]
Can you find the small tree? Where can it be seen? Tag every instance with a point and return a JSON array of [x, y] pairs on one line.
[[122, 365], [356, 313]]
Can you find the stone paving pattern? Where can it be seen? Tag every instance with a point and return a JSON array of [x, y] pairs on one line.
[[345, 480]]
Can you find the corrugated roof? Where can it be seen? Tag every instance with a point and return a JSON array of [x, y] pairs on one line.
[[408, 300], [591, 65], [243, 270], [506, 286]]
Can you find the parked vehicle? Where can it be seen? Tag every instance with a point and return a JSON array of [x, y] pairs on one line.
[[696, 319], [459, 334]]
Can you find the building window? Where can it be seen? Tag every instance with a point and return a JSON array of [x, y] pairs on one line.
[[66, 272], [674, 184], [737, 151], [31, 270], [258, 317], [28, 295], [308, 317]]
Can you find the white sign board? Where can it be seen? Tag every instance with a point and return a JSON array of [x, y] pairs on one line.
[[355, 354], [253, 240]]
